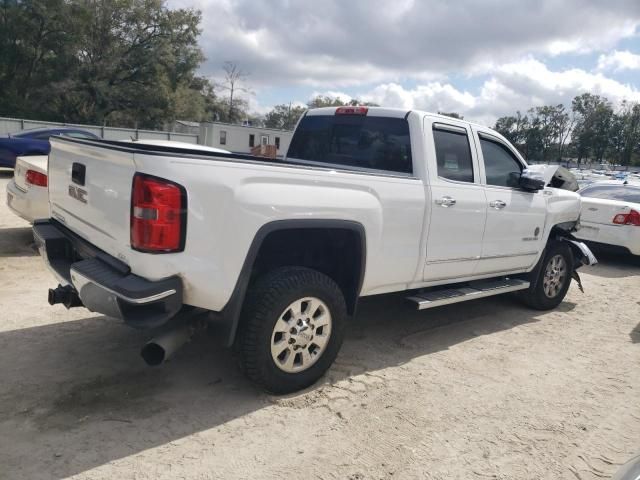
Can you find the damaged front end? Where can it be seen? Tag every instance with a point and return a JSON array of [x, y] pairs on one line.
[[563, 210], [582, 255]]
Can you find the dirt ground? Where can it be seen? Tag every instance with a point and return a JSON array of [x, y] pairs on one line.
[[486, 389]]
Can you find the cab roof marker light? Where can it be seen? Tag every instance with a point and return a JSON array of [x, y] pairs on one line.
[[352, 110]]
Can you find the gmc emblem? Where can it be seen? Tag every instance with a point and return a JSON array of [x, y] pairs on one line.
[[78, 193]]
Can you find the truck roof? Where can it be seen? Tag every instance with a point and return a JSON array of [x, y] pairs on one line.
[[388, 112]]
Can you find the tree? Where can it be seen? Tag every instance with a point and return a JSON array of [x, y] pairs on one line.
[[564, 124], [327, 101], [593, 125], [514, 129], [129, 62], [594, 129], [283, 116], [452, 115], [234, 78], [624, 133], [34, 37]]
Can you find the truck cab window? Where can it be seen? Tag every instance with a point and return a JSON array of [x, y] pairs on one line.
[[453, 155], [501, 166], [355, 141]]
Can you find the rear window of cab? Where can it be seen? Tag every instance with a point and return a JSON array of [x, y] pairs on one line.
[[356, 142]]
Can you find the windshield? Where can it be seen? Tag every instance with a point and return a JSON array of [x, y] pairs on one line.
[[356, 141]]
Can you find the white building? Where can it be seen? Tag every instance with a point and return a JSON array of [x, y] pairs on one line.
[[240, 139]]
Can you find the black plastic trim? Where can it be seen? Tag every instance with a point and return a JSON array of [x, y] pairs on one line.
[[78, 172], [230, 314], [110, 287]]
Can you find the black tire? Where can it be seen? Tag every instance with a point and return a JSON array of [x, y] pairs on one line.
[[535, 296], [266, 301]]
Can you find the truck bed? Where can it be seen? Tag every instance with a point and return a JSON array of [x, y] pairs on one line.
[[230, 198]]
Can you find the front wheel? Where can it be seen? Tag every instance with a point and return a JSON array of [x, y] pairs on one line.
[[291, 329], [551, 284]]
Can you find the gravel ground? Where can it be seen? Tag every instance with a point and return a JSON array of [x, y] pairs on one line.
[[485, 389]]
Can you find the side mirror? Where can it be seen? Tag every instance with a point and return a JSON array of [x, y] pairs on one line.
[[530, 181]]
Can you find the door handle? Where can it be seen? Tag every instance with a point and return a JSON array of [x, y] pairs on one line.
[[446, 202], [497, 204]]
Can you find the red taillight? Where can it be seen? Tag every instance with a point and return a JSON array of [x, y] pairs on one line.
[[158, 220], [36, 178], [631, 218], [352, 110]]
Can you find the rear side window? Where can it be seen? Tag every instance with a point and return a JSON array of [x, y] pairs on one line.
[[500, 165], [355, 141], [613, 192], [453, 155]]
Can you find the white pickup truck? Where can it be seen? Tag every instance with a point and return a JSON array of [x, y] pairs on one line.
[[275, 254]]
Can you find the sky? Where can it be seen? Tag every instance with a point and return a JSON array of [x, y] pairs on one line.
[[483, 58]]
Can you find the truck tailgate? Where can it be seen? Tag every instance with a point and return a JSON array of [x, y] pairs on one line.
[[90, 192]]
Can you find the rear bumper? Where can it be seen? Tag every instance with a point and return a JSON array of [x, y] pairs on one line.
[[619, 238], [610, 248], [103, 283], [29, 205]]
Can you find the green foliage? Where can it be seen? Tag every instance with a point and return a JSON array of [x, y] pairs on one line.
[[233, 109], [327, 101], [624, 146], [124, 62], [596, 132], [286, 116], [452, 115], [283, 116], [593, 125]]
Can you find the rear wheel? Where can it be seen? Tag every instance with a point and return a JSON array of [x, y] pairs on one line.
[[550, 286], [291, 329]]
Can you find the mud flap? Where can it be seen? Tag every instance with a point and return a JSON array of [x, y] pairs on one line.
[[576, 277], [582, 256], [581, 252]]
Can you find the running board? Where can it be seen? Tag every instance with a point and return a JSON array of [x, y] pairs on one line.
[[474, 290]]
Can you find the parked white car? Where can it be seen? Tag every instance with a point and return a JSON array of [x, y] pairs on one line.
[[27, 191], [611, 215], [276, 254]]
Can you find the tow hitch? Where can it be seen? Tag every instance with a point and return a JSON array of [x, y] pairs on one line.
[[65, 295]]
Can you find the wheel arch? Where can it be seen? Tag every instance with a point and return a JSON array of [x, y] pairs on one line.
[[225, 324]]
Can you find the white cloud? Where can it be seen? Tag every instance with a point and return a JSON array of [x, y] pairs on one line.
[[619, 60], [511, 87], [332, 44]]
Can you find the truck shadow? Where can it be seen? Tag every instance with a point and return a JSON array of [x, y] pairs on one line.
[[614, 265], [17, 242], [75, 395]]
